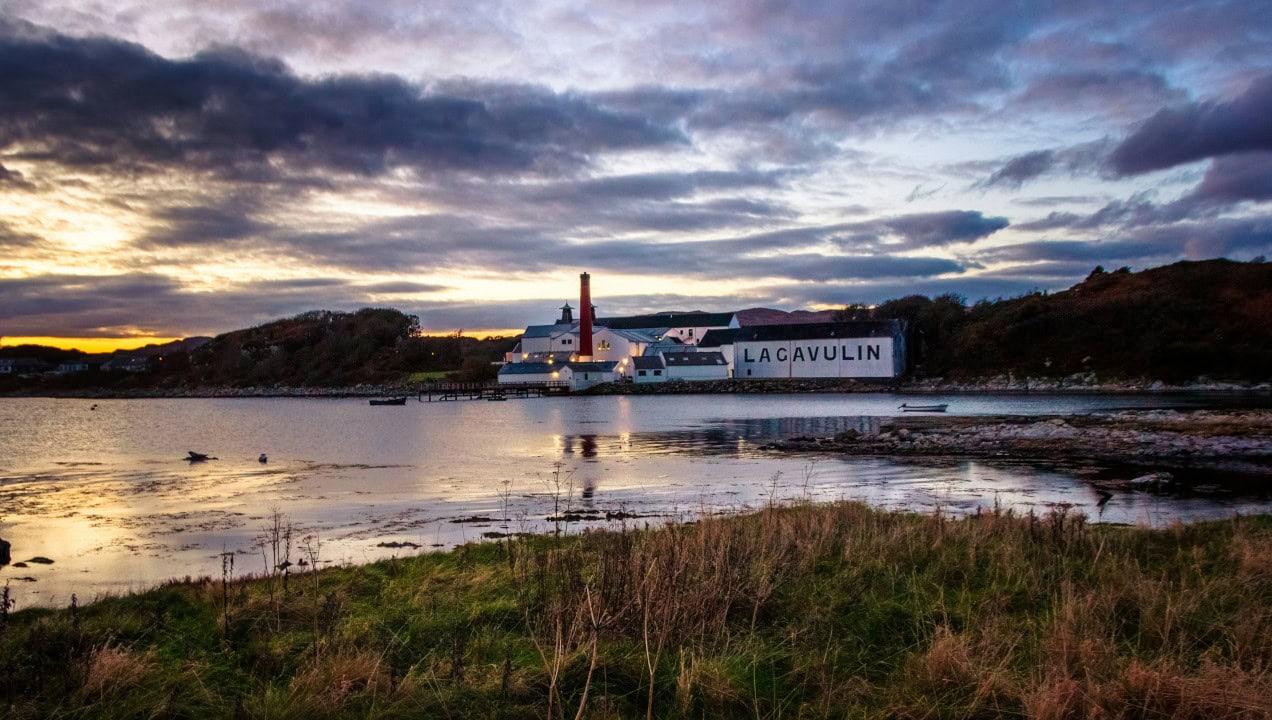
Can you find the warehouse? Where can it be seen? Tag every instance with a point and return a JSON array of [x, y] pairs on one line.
[[866, 349]]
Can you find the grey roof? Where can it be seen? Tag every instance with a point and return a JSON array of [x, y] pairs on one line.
[[718, 338], [648, 362], [527, 368], [536, 331], [820, 331], [667, 320], [694, 359], [594, 366], [640, 336]]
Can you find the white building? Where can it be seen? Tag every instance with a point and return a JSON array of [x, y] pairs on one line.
[[648, 369], [583, 375], [690, 366], [867, 349]]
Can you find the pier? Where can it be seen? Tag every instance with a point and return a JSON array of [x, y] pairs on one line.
[[445, 392]]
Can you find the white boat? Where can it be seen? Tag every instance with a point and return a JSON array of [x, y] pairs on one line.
[[906, 407]]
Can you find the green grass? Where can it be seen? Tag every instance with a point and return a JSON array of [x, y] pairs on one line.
[[430, 376], [830, 611]]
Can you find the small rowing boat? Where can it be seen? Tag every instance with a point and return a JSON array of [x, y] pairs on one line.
[[390, 401], [905, 407]]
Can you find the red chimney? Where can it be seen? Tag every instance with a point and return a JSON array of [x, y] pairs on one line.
[[585, 316]]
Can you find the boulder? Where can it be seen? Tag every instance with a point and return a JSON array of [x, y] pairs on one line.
[[4, 552]]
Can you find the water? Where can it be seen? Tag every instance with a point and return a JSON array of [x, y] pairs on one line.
[[105, 493]]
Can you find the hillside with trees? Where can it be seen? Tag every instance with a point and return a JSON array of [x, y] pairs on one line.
[[1174, 323], [316, 349]]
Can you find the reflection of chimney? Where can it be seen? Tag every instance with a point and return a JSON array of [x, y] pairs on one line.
[[585, 317]]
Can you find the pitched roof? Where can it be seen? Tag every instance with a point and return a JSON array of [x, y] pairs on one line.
[[695, 318], [717, 338], [693, 359], [648, 362], [820, 331], [528, 368], [594, 366]]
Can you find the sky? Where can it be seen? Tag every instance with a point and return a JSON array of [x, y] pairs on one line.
[[197, 166]]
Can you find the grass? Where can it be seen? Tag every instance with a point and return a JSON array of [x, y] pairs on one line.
[[828, 611], [429, 376]]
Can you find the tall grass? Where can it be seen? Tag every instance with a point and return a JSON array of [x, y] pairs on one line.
[[805, 611]]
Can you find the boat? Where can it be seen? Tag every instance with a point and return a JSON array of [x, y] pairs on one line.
[[390, 401], [905, 407]]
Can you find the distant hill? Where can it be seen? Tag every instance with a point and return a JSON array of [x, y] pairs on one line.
[[769, 316], [1174, 323]]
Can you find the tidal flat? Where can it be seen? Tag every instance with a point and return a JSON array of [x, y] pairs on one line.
[[103, 489]]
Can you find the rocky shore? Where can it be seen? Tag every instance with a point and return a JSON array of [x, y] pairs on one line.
[[1240, 441]]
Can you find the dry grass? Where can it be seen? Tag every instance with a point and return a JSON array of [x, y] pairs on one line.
[[112, 670], [806, 611]]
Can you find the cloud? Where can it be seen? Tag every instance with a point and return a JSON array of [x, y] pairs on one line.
[[100, 101], [1197, 131], [1022, 168], [921, 230], [1236, 178]]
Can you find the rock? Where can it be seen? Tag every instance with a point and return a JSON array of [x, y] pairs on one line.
[[20, 564], [1156, 479], [41, 560], [4, 552], [848, 435], [1058, 422]]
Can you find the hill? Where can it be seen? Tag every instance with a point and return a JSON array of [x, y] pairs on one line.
[[1174, 323]]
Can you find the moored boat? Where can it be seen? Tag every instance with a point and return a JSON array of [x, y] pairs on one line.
[[390, 401], [905, 407]]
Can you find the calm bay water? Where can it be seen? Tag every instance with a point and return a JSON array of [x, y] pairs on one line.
[[105, 493]]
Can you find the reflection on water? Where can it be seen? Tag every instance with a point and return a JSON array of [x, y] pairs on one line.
[[107, 495]]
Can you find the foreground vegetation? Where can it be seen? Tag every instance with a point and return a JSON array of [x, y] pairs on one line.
[[808, 611]]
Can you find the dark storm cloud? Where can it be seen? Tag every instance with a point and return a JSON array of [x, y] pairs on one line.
[[1136, 210], [111, 306], [12, 179], [1237, 178], [87, 101], [401, 288], [1022, 168], [12, 240], [1127, 94], [1087, 252], [227, 223], [1197, 131], [922, 230], [1081, 158]]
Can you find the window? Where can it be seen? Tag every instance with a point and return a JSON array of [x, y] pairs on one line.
[[690, 332], [658, 372], [641, 373], [748, 372]]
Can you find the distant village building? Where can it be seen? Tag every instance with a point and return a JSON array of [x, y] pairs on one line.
[[691, 346], [22, 366], [691, 366]]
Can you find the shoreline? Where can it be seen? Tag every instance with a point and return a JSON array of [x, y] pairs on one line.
[[996, 385], [1231, 441]]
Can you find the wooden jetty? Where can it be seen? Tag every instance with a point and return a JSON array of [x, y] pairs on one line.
[[445, 392]]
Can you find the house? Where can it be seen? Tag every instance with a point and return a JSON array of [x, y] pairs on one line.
[[523, 373], [648, 369], [687, 327], [22, 366], [690, 366], [720, 341], [583, 375]]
